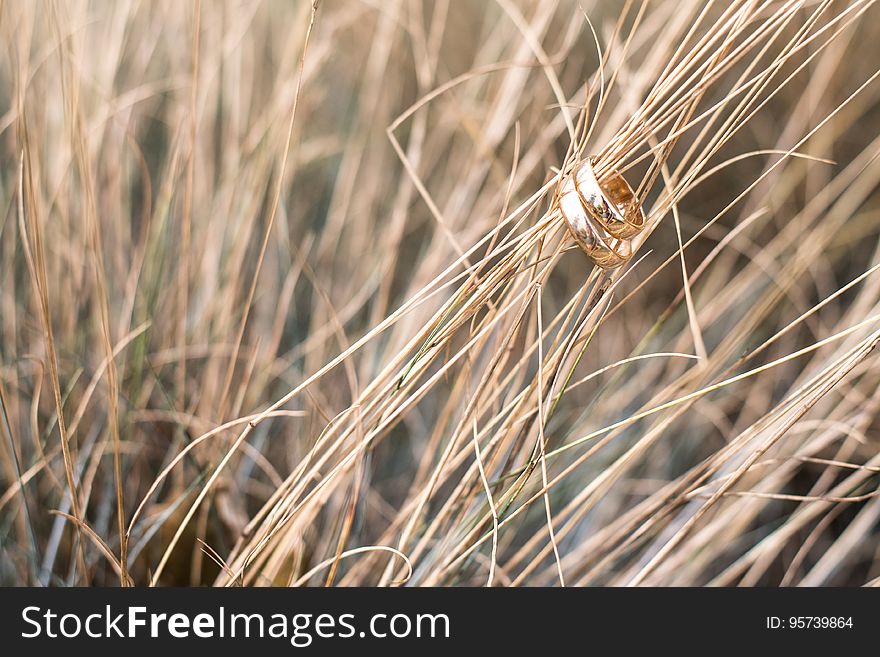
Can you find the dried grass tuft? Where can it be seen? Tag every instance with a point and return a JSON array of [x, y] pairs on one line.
[[287, 287]]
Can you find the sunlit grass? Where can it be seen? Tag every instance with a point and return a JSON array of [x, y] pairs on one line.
[[285, 296]]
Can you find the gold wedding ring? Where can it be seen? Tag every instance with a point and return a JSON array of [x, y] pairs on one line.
[[601, 217]]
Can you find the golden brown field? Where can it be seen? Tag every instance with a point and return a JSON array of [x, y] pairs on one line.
[[286, 297]]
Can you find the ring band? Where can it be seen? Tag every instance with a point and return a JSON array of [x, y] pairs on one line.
[[601, 217], [613, 203]]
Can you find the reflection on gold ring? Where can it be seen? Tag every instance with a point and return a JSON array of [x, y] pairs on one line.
[[601, 217]]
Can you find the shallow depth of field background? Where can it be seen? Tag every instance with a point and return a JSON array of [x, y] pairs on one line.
[[139, 217]]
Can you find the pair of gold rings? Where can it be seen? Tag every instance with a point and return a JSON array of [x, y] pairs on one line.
[[601, 217]]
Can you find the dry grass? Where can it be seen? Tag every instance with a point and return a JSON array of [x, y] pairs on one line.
[[285, 297]]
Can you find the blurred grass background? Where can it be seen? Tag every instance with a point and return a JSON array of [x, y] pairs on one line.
[[144, 146]]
